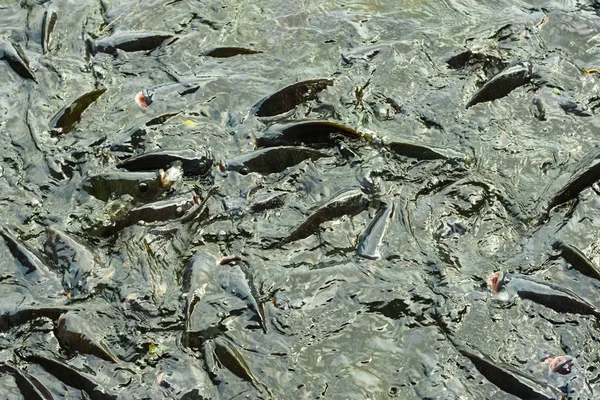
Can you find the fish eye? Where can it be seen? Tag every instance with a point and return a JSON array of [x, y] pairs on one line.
[[143, 187]]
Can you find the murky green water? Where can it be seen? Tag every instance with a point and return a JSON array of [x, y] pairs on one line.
[[361, 269]]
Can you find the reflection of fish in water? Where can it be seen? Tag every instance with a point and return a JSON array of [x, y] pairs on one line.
[[551, 296]]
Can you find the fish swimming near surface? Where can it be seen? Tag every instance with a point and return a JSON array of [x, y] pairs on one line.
[[502, 84]]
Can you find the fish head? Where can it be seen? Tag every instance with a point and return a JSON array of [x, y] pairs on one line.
[[496, 281], [562, 365]]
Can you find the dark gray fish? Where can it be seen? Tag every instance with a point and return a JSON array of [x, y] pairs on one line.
[[130, 41], [48, 24], [268, 201], [289, 97], [272, 159], [80, 264], [22, 315], [72, 377], [347, 202], [69, 116], [29, 258], [588, 173], [577, 259], [236, 279], [548, 97], [509, 379], [29, 386], [157, 211], [131, 138], [225, 52], [559, 299], [370, 240], [193, 162], [221, 353], [309, 133], [422, 152], [502, 84], [75, 334], [14, 56], [142, 186]]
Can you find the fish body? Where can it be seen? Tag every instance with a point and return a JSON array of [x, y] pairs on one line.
[[141, 186], [193, 162], [347, 202], [503, 83], [225, 52], [68, 116], [15, 57], [130, 42], [74, 334], [305, 133], [272, 159], [48, 24], [557, 298], [578, 260], [509, 379], [289, 97], [158, 211], [78, 261], [370, 240]]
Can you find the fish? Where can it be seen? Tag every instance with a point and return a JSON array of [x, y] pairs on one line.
[[81, 265], [129, 139], [130, 42], [289, 97], [546, 294], [222, 353], [346, 202], [75, 334], [370, 240], [15, 57], [29, 386], [577, 259], [502, 84], [141, 186], [508, 378], [271, 159], [193, 162], [48, 24], [72, 377], [306, 133], [423, 153], [225, 52], [548, 97], [68, 116], [10, 318], [163, 210], [235, 279], [35, 266], [588, 172], [267, 201]]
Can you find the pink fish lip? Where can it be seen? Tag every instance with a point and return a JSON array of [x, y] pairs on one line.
[[562, 365], [495, 281], [144, 98]]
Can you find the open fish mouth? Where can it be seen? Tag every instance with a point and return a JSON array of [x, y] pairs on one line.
[[496, 281]]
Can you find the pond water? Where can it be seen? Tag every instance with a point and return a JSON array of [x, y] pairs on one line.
[[313, 211]]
